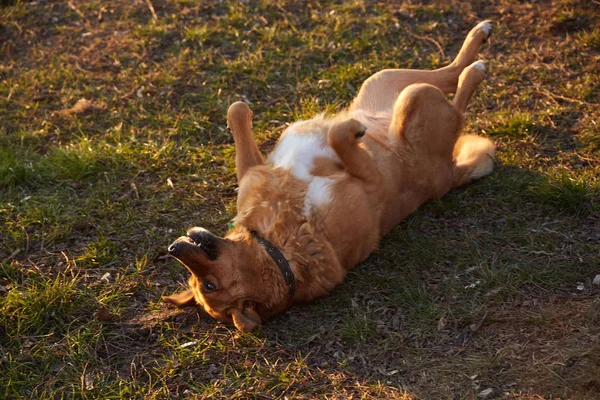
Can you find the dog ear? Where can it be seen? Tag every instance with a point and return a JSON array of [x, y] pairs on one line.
[[181, 299], [246, 320]]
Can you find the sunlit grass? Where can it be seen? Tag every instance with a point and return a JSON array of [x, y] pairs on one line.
[[488, 287]]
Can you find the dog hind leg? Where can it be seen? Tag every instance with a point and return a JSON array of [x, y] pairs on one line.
[[424, 123], [423, 131], [473, 155], [474, 159], [468, 52], [378, 93], [468, 81]]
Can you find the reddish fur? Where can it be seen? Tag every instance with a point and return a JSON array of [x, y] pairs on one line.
[[411, 153]]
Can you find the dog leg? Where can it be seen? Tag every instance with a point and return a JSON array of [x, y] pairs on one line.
[[424, 123], [473, 159], [378, 93], [468, 81], [247, 155], [424, 129], [468, 52], [344, 137], [473, 155]]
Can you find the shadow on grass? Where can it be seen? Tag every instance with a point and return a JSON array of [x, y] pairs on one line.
[[424, 300]]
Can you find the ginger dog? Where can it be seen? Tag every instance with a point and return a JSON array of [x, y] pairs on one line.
[[332, 188]]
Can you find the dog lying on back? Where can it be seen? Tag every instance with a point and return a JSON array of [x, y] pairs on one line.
[[332, 188]]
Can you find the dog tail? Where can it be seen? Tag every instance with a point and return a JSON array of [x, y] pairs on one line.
[[473, 158]]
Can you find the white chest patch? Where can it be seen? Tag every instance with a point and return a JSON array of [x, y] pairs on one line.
[[318, 193], [298, 152]]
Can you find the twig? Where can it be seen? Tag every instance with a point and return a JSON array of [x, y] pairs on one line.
[[10, 93], [475, 327], [569, 99], [14, 254], [129, 94], [44, 96], [77, 11], [17, 26], [135, 191], [590, 160], [427, 39], [151, 8]]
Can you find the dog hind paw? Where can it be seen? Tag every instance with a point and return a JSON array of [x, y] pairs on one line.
[[485, 27], [480, 65]]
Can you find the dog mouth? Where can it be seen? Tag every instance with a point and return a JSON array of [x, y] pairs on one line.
[[187, 239], [199, 236], [196, 239]]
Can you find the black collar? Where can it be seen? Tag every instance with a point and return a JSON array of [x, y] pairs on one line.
[[282, 263]]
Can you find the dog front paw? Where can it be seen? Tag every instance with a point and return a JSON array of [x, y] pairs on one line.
[[346, 133]]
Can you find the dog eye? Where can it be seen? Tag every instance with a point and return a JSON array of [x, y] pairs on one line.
[[209, 286]]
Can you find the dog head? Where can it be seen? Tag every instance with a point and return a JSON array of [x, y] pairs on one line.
[[227, 277]]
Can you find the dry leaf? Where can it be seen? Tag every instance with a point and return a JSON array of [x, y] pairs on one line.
[[82, 106]]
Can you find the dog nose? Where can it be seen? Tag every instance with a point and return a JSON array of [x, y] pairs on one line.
[[173, 248]]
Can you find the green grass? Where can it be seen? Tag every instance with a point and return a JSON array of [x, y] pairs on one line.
[[487, 288]]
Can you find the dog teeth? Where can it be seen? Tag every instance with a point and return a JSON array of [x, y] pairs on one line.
[[192, 241]]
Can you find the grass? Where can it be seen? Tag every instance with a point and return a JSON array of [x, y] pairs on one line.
[[488, 288]]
